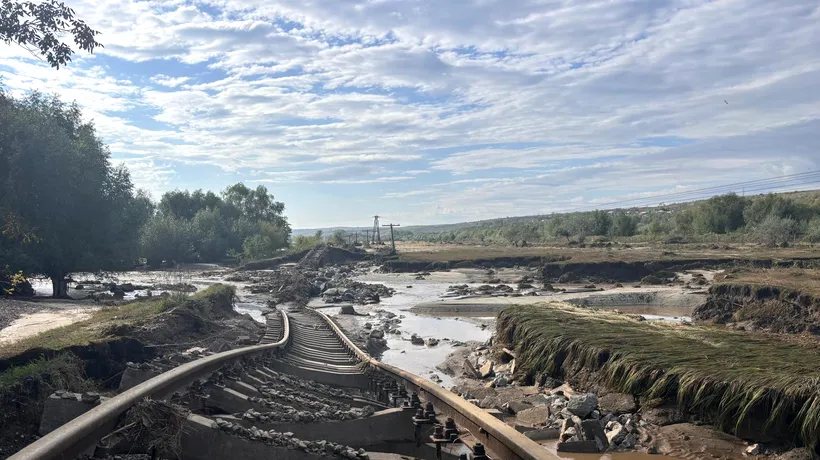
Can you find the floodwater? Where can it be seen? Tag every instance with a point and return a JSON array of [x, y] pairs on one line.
[[421, 360], [418, 359], [199, 275], [477, 325]]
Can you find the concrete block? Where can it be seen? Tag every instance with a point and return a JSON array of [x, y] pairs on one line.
[[61, 408], [132, 377], [200, 441], [231, 401]]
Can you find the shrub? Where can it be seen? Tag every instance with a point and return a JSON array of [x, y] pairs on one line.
[[774, 231]]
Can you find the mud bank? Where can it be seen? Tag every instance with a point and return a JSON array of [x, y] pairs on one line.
[[599, 272], [756, 307], [553, 268], [315, 257], [688, 373], [668, 303]]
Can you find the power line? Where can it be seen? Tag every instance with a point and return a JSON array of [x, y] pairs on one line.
[[770, 184]]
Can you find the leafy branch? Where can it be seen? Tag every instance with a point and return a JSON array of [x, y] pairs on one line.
[[40, 27]]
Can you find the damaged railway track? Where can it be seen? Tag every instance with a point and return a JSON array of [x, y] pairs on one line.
[[305, 391]]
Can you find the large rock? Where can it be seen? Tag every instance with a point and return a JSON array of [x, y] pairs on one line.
[[486, 370], [593, 431], [544, 434], [539, 399], [617, 403], [534, 415], [377, 334], [615, 433], [348, 310], [582, 405], [514, 407]]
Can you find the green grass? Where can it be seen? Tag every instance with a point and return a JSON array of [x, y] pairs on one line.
[[24, 389], [64, 371], [735, 378], [104, 322]]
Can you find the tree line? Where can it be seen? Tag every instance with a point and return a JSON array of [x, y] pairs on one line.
[[770, 220], [64, 207]]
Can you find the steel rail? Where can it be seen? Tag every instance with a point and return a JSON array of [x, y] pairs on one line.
[[83, 432], [500, 438]]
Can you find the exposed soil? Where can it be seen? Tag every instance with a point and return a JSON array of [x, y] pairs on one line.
[[755, 307], [314, 258]]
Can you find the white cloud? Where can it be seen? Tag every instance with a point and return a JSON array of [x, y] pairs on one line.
[[170, 82], [299, 89]]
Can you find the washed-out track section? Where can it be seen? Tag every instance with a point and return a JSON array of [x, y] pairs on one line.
[[306, 391]]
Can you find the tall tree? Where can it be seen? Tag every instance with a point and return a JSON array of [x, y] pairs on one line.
[[40, 27], [80, 213]]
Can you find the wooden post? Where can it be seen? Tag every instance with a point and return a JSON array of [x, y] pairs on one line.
[[392, 239]]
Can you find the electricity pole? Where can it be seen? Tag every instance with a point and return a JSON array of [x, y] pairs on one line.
[[377, 235], [367, 238], [392, 240]]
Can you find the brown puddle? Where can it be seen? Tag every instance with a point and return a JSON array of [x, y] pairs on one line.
[[551, 447]]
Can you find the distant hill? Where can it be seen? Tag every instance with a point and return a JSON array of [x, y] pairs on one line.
[[655, 220]]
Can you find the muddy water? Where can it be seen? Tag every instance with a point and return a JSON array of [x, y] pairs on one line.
[[551, 446], [67, 312], [418, 359], [466, 326]]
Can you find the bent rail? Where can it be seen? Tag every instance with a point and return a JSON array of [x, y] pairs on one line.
[[493, 433], [73, 438]]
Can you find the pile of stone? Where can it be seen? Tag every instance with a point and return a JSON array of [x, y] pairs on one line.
[[290, 385], [320, 413], [582, 423], [497, 290], [289, 414], [313, 402], [275, 438], [355, 292]]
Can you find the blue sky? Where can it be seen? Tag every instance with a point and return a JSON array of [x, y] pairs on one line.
[[431, 112]]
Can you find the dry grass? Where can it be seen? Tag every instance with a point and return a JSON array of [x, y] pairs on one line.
[[638, 253], [103, 323], [156, 425], [735, 378], [795, 279]]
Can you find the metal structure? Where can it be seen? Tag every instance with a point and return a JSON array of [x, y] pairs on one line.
[[392, 239], [305, 335], [376, 235]]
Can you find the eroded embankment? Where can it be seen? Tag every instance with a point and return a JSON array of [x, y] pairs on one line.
[[557, 267], [764, 307], [318, 256], [757, 387], [91, 354]]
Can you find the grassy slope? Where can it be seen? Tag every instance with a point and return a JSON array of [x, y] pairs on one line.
[[442, 252], [102, 322], [706, 370]]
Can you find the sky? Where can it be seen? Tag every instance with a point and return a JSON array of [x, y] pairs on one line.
[[428, 111]]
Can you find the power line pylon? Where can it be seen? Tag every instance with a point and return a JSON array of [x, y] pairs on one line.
[[377, 236]]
